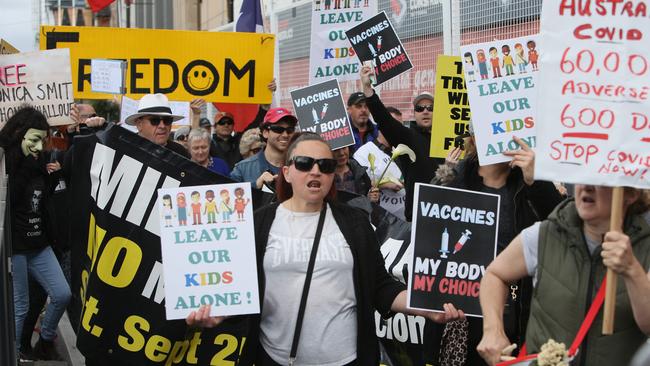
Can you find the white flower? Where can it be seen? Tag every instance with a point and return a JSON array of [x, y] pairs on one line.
[[402, 149]]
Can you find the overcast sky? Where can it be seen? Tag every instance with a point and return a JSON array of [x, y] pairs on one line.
[[16, 24]]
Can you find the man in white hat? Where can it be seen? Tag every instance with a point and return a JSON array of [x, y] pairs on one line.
[[154, 122]]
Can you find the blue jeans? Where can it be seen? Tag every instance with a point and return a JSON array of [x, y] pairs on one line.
[[44, 268]]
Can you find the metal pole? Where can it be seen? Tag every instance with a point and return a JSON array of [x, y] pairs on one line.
[[58, 13]]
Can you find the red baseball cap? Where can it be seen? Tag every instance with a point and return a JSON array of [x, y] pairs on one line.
[[276, 114]]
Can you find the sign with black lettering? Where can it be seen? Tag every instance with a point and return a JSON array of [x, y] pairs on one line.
[[117, 270], [375, 40], [41, 79], [455, 238], [184, 65], [320, 109]]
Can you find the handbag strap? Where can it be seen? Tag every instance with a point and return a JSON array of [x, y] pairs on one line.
[[305, 289]]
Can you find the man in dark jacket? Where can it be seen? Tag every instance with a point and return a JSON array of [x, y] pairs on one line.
[[418, 138], [362, 127]]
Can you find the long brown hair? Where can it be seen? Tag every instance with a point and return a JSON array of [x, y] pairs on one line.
[[283, 188]]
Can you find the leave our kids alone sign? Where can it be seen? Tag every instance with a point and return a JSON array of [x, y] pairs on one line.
[[455, 238], [207, 249]]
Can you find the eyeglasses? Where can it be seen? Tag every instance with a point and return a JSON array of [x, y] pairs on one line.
[[225, 122], [305, 163], [181, 138], [155, 121], [280, 130], [421, 108]]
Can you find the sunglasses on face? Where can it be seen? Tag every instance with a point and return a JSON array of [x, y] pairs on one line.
[[225, 122], [181, 138], [305, 163], [280, 130], [421, 108], [155, 121]]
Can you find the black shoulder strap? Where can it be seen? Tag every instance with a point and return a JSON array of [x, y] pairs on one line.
[[305, 289]]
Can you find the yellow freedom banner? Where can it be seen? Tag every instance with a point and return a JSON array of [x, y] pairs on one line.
[[184, 65], [450, 107]]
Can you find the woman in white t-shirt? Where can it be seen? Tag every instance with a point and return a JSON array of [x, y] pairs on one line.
[[349, 279]]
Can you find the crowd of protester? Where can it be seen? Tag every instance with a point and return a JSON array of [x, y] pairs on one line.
[[304, 173]]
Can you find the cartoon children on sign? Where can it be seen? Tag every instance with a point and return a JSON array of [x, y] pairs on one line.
[[240, 203], [210, 208], [168, 210], [494, 60], [482, 64], [181, 206], [226, 206], [196, 208], [469, 66], [520, 59], [533, 56], [508, 62]]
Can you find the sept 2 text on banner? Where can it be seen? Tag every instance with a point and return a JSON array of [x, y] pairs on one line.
[[375, 40], [330, 54], [594, 125], [501, 78], [208, 243], [451, 113], [41, 79], [455, 238], [320, 109], [184, 65]]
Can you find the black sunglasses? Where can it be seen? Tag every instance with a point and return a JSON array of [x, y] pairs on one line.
[[225, 122], [305, 163], [279, 129], [155, 121], [421, 108]]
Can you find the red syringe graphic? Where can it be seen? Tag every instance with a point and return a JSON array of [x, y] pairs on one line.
[[463, 239]]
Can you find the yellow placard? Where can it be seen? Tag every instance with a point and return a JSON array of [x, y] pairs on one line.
[[450, 107], [6, 48], [184, 65]]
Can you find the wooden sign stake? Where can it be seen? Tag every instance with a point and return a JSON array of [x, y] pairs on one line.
[[615, 224]]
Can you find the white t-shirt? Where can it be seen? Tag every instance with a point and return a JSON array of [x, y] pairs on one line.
[[329, 329]]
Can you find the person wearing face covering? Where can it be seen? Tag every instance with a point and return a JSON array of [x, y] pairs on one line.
[[31, 180], [348, 281]]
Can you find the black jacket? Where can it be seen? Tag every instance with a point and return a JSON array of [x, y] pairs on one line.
[[418, 139], [373, 286], [361, 179]]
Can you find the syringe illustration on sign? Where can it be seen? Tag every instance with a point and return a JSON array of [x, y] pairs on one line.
[[463, 239], [444, 243], [314, 114]]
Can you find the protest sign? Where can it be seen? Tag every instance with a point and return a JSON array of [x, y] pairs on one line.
[[451, 113], [595, 126], [208, 243], [41, 79], [375, 161], [215, 66], [130, 106], [501, 78], [117, 273], [375, 40], [320, 109], [6, 48], [455, 238], [330, 54], [107, 76]]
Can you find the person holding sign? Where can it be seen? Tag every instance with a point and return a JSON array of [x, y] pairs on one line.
[[30, 186], [348, 280], [568, 255], [523, 202]]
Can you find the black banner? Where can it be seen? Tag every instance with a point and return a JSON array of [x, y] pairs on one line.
[[375, 40], [320, 109], [455, 240]]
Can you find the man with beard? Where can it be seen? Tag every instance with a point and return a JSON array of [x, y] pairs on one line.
[[362, 128], [418, 137], [262, 168]]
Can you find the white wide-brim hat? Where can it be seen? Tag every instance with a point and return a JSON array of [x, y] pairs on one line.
[[153, 105]]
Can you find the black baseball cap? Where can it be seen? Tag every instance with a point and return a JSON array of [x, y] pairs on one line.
[[356, 98]]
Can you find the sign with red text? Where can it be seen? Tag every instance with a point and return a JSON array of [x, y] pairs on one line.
[[41, 79], [375, 40], [501, 78], [451, 114], [454, 233], [330, 54], [595, 125], [320, 109], [208, 244]]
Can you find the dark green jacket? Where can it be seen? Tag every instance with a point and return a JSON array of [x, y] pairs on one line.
[[568, 278]]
